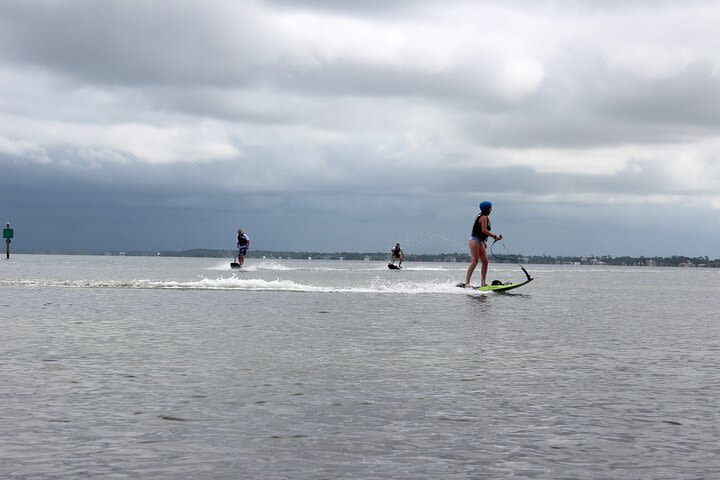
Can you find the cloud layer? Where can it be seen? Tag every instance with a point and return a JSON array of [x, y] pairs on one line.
[[349, 126]]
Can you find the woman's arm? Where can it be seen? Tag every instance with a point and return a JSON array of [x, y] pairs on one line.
[[483, 225]]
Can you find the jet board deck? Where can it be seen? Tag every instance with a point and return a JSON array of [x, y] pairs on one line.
[[504, 287]]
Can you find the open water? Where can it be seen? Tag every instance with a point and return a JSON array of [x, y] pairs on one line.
[[166, 368]]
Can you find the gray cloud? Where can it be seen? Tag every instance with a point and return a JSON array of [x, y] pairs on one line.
[[118, 42], [138, 45], [680, 99]]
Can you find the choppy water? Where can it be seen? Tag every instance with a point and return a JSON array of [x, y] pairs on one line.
[[128, 367]]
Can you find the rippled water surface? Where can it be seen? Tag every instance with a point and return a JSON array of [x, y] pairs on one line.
[[140, 367]]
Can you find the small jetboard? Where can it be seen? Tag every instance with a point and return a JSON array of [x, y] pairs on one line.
[[498, 286], [392, 266], [235, 265]]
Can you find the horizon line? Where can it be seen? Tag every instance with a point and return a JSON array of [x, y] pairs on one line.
[[252, 253]]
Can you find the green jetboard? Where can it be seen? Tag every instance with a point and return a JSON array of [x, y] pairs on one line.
[[498, 287]]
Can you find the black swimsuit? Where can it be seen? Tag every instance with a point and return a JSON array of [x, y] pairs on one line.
[[477, 228]]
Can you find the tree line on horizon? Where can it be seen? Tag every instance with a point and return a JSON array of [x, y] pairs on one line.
[[657, 261]]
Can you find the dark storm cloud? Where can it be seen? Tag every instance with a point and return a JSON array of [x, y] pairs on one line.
[[109, 208]]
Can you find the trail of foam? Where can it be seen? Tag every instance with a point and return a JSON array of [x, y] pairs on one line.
[[272, 266], [407, 268], [234, 283], [433, 269]]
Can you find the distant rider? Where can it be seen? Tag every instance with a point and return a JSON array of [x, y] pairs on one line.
[[243, 245], [397, 254], [478, 242]]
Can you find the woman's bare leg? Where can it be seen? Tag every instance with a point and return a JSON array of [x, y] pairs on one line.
[[484, 260], [474, 248]]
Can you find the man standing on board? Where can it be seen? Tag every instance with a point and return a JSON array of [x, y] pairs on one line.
[[243, 244], [397, 254]]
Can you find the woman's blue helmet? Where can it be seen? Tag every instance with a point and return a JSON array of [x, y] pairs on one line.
[[485, 206]]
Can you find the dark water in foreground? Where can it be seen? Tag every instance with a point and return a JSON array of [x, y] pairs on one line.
[[120, 367]]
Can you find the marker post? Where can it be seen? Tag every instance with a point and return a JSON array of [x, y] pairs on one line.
[[7, 235]]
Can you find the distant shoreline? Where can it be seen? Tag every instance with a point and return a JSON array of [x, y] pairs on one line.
[[673, 261]]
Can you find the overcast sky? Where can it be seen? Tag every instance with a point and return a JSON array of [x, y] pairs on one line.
[[593, 126]]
